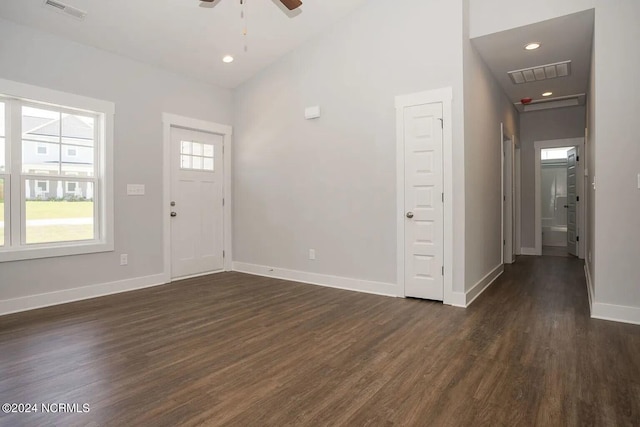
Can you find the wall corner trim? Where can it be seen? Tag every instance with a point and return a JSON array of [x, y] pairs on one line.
[[64, 296], [587, 276], [346, 283], [483, 284]]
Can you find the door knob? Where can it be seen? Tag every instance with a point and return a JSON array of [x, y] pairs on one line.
[[174, 214], [409, 214]]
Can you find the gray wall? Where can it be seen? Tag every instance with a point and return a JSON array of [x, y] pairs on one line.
[[329, 184], [559, 123], [485, 107], [141, 93]]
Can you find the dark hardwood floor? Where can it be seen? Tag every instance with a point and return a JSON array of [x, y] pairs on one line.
[[234, 349]]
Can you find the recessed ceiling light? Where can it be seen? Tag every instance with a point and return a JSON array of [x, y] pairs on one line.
[[532, 46], [547, 94], [227, 59]]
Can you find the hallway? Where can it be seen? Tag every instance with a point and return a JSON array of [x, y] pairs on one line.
[[235, 349]]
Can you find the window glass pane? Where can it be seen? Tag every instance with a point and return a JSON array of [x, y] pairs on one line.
[[79, 165], [208, 164], [2, 143], [208, 150], [185, 147], [185, 162], [63, 216], [3, 151], [39, 157], [2, 118], [197, 149], [197, 163], [40, 125], [2, 212]]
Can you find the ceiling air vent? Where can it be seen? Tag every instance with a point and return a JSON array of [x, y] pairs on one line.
[[65, 8], [541, 72]]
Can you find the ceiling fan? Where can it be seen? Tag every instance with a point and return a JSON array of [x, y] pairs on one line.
[[289, 4]]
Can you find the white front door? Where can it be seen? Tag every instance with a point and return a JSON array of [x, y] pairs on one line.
[[196, 202], [572, 193], [424, 222]]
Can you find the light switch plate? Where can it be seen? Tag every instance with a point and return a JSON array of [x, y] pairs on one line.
[[135, 189]]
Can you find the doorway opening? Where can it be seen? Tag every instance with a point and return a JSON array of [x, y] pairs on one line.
[[559, 201]]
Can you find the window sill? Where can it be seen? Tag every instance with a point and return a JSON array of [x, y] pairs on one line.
[[37, 252]]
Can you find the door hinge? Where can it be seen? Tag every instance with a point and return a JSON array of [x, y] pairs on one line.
[[577, 198], [441, 123], [223, 201], [577, 158], [442, 197], [504, 243], [577, 238], [222, 254], [443, 270], [504, 198]]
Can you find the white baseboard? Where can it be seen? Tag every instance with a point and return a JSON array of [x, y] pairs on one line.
[[483, 284], [31, 302], [589, 287], [378, 288], [528, 251], [616, 313]]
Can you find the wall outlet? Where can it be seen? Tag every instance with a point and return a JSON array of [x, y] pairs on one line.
[[312, 254], [124, 259]]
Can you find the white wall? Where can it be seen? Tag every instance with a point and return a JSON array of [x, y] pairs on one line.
[[141, 93], [558, 123], [615, 108], [329, 184], [485, 107]]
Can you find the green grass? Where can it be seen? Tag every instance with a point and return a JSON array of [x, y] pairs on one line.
[[37, 210], [48, 210]]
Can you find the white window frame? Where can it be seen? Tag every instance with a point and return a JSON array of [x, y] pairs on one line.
[[16, 93]]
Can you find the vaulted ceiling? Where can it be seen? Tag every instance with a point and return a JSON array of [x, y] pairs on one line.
[[187, 36]]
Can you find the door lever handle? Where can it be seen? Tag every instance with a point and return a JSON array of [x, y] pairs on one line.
[[174, 214], [409, 214]]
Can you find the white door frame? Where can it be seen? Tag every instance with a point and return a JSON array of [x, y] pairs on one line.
[[518, 184], [173, 120], [508, 210], [557, 143], [444, 96]]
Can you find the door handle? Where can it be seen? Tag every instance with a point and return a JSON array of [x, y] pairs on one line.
[[174, 214], [409, 214]]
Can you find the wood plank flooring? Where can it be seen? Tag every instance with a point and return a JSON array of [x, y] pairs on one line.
[[234, 349]]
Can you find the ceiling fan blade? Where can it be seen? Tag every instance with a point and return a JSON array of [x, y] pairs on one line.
[[208, 1], [291, 4]]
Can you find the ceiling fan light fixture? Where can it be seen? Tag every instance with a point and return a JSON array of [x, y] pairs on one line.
[[532, 46], [227, 59]]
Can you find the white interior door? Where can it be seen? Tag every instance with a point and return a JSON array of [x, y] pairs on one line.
[[196, 202], [572, 192], [424, 223]]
